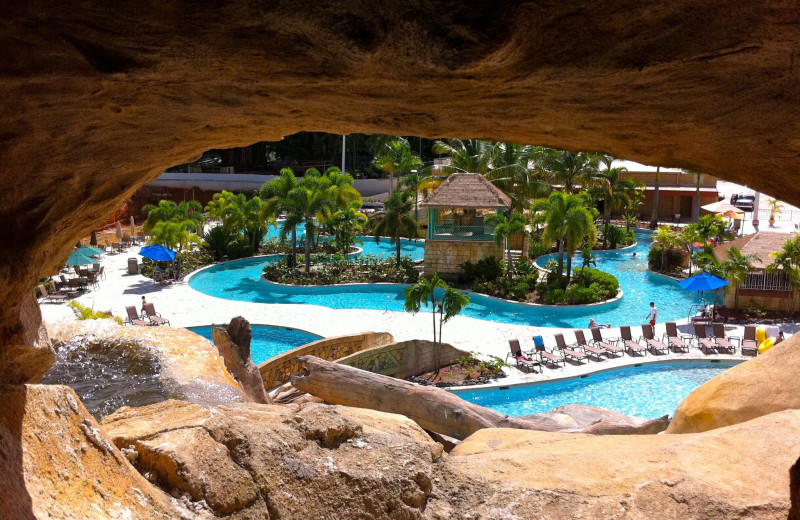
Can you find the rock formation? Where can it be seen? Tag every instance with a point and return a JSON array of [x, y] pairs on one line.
[[762, 385], [288, 461], [115, 93], [139, 365], [58, 463], [233, 342]]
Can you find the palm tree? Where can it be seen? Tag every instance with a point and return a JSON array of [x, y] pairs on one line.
[[688, 236], [466, 155], [174, 234], [422, 293], [504, 228], [615, 191], [654, 216], [396, 157], [736, 268], [275, 195], [775, 208], [567, 223], [513, 169], [168, 210], [412, 182], [305, 203], [339, 187], [397, 221], [347, 223], [666, 239], [788, 261], [571, 169]]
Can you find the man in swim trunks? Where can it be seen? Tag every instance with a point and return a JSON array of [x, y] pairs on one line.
[[653, 313]]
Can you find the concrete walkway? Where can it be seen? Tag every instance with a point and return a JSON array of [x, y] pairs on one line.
[[185, 307]]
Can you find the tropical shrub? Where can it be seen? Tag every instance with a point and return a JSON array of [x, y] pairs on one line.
[[218, 240], [673, 259], [486, 269], [537, 249], [586, 286], [85, 313]]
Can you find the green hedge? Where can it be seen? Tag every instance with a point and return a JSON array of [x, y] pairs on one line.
[[587, 286]]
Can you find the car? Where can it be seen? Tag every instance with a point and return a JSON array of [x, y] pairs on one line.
[[745, 202]]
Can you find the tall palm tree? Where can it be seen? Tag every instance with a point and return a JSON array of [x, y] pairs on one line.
[[275, 195], [397, 158], [306, 203], [567, 223], [514, 170], [167, 210], [347, 222], [571, 169], [504, 228], [654, 216], [736, 268], [788, 261], [415, 182], [614, 190], [339, 187], [466, 155], [397, 221], [666, 239]]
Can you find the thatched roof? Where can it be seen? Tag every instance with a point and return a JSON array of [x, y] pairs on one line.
[[468, 190], [761, 243]]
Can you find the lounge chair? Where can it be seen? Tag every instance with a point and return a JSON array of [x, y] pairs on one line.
[[724, 343], [591, 351], [133, 317], [704, 343], [547, 357], [674, 341], [568, 352], [154, 317], [631, 346], [749, 343], [597, 337], [649, 338], [524, 363], [51, 297]]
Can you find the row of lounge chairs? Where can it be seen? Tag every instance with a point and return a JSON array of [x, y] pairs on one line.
[[148, 317], [600, 348]]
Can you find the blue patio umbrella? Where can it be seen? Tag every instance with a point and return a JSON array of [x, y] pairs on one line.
[[704, 282], [77, 257], [158, 252]]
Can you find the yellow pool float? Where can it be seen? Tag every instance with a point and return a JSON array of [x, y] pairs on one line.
[[761, 335], [766, 345]]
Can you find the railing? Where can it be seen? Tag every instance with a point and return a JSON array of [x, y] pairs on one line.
[[483, 233], [790, 215], [764, 281]]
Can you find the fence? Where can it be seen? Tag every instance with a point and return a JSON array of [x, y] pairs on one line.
[[764, 281], [788, 215]]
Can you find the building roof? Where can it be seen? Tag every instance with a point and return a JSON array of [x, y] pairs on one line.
[[468, 190], [761, 243], [638, 167]]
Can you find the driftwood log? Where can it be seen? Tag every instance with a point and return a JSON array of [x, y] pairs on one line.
[[233, 343], [433, 408]]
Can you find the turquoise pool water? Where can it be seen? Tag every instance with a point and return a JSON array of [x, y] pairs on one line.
[[268, 341], [648, 391], [241, 280]]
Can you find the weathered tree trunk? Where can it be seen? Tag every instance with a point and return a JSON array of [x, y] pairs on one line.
[[432, 408], [233, 342]]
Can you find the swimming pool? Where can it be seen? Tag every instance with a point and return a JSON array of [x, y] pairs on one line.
[[268, 341], [240, 280], [647, 391]]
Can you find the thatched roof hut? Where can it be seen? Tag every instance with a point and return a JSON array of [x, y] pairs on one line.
[[468, 191]]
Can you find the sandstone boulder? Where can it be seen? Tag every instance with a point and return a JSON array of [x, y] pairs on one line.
[[289, 461], [58, 464], [739, 471], [110, 366], [762, 385]]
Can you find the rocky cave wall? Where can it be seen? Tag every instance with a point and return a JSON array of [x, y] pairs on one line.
[[98, 98]]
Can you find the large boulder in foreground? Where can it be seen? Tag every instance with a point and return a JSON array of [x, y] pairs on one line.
[[110, 366], [740, 471], [56, 463], [282, 461], [762, 385]]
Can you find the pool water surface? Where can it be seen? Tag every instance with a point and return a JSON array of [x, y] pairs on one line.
[[268, 341], [240, 280], [648, 391]]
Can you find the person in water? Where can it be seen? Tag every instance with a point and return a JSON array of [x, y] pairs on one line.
[[593, 324], [633, 255]]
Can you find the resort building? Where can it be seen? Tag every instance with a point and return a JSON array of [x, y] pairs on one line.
[[769, 290], [457, 232], [676, 191]]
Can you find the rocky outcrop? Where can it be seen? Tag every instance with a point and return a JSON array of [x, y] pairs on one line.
[[25, 354], [762, 385], [110, 366], [600, 421], [233, 342], [114, 97], [289, 462], [57, 463], [739, 471]]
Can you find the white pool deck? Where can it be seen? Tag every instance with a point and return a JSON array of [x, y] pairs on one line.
[[185, 307]]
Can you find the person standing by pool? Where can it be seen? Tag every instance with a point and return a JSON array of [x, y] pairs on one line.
[[653, 313]]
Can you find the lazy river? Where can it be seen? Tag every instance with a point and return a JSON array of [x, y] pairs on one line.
[[648, 391], [240, 280]]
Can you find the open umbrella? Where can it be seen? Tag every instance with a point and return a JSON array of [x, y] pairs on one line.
[[158, 252], [733, 215], [78, 257], [90, 251], [703, 282]]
